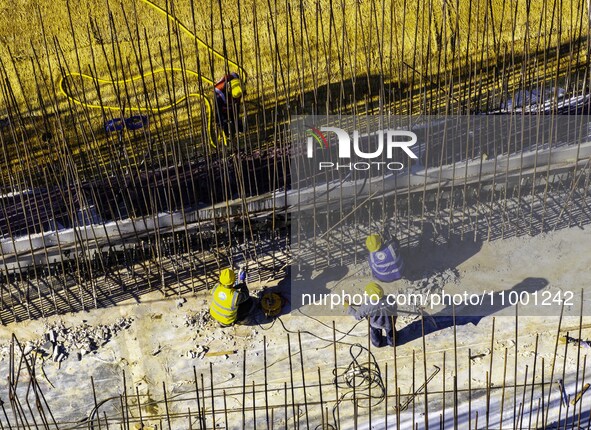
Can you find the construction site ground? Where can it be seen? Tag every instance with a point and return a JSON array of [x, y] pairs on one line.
[[166, 339]]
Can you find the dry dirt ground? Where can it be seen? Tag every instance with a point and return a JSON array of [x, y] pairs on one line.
[[161, 344]]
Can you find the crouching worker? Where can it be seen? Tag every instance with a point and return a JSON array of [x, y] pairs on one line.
[[228, 93], [381, 315], [230, 302], [384, 259]]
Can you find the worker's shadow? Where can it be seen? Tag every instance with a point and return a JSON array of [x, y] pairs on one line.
[[437, 251], [334, 96], [470, 314]]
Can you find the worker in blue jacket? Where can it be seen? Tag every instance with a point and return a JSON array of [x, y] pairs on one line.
[[385, 260], [381, 313]]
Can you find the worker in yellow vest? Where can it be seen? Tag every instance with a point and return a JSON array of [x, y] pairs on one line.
[[230, 302]]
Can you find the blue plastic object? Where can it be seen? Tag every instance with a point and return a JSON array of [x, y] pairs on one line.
[[136, 122], [115, 124]]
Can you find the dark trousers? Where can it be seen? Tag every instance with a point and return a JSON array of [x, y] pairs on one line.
[[376, 329], [227, 117], [244, 309]]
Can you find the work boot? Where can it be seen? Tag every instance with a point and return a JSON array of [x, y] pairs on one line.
[[394, 341]]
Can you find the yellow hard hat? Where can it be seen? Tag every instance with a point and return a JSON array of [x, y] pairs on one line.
[[373, 289], [235, 88], [373, 242], [227, 277]]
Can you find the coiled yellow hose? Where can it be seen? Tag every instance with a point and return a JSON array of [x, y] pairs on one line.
[[206, 101]]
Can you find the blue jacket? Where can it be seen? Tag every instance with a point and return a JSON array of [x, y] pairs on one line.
[[386, 264]]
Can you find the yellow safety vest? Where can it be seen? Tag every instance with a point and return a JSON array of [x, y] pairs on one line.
[[223, 307]]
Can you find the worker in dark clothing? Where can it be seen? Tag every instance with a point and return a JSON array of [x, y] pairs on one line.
[[381, 314], [228, 93], [231, 301], [385, 260]]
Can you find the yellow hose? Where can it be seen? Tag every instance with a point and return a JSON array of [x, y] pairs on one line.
[[162, 70]]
